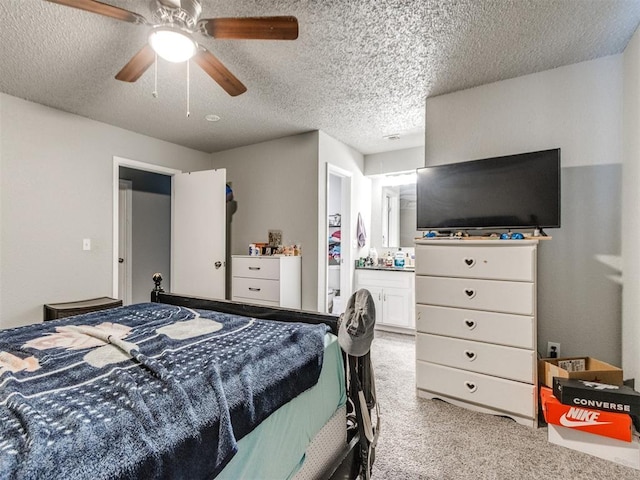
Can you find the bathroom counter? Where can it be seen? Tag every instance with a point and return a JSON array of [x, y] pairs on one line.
[[388, 269]]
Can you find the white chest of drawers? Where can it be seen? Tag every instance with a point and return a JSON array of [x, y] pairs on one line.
[[272, 281], [476, 325]]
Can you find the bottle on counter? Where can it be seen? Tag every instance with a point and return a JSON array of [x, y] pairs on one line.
[[389, 260], [398, 260], [374, 256]]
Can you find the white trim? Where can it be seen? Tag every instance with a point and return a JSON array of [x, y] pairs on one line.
[[127, 185], [346, 250], [125, 162]]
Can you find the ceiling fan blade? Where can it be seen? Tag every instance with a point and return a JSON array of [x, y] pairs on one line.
[[252, 28], [100, 8], [216, 70], [139, 64]]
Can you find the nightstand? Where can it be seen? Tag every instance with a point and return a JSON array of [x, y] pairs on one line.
[[53, 311]]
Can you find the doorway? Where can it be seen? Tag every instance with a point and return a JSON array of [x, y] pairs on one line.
[[338, 235], [147, 249], [193, 233], [144, 247]]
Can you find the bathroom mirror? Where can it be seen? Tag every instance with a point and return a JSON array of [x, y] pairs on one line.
[[394, 196]]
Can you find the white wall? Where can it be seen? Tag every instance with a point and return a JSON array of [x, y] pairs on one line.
[[275, 187], [579, 109], [631, 210], [394, 161], [56, 189]]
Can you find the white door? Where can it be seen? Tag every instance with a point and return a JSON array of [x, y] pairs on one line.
[[198, 229], [124, 241]]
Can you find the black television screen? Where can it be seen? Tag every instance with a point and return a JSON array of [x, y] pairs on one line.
[[514, 191]]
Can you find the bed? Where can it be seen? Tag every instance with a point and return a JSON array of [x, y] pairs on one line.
[[179, 387]]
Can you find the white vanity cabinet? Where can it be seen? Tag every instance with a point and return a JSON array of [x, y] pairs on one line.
[[274, 281], [393, 293], [476, 325]]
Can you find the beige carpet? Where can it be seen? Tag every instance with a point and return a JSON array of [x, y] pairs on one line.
[[430, 439]]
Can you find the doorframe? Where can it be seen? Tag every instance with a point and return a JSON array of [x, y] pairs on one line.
[[135, 164], [127, 187], [346, 265]]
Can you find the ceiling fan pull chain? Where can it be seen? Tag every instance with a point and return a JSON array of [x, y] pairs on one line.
[[188, 112], [155, 78]]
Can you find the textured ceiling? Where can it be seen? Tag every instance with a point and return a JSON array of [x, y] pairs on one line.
[[360, 69]]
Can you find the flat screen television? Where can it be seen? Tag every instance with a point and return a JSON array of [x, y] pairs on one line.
[[512, 192]]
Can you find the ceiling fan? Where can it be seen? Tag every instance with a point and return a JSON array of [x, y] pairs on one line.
[[172, 36]]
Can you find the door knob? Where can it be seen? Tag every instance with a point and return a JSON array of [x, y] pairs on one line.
[[218, 264], [120, 260]]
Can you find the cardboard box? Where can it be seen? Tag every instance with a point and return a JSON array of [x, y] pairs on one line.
[[624, 453], [595, 422], [595, 371], [598, 396]]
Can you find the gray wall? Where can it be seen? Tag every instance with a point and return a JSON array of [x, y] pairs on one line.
[[630, 210], [56, 188], [281, 184], [579, 109], [579, 294], [275, 188]]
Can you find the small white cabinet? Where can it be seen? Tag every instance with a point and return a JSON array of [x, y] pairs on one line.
[[274, 281], [476, 325], [393, 295]]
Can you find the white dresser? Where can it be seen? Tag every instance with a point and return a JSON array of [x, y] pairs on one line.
[[393, 294], [476, 325], [273, 281]]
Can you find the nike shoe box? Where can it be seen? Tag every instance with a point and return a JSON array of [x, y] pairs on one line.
[[594, 422], [618, 451], [598, 396], [578, 368]]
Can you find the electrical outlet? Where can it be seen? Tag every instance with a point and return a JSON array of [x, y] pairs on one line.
[[553, 349]]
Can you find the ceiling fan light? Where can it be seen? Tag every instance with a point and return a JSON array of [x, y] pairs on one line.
[[172, 45]]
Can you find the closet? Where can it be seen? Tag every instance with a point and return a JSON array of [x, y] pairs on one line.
[[334, 243]]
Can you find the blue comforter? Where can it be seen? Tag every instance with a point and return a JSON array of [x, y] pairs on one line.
[[144, 391]]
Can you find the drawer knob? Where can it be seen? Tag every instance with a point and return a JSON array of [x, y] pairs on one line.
[[472, 387], [254, 289], [470, 262], [471, 324], [470, 355], [469, 292], [254, 268]]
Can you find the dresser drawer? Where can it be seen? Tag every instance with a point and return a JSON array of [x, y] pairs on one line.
[[256, 267], [506, 362], [488, 261], [491, 327], [506, 395], [256, 288], [495, 295]]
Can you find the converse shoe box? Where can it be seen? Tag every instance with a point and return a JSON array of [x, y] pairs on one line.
[[598, 396]]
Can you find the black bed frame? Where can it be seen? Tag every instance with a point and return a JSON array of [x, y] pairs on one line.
[[349, 465]]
